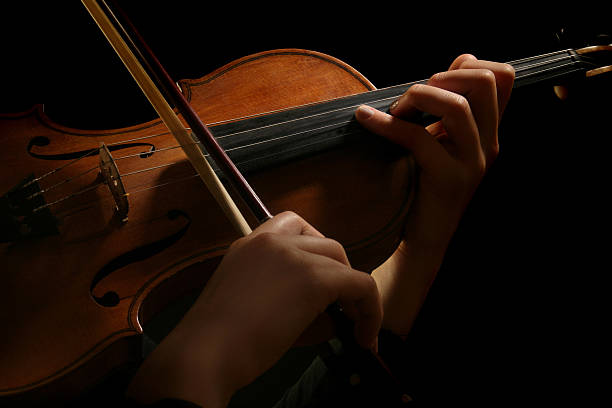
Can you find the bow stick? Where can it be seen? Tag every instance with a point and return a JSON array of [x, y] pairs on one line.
[[142, 64], [136, 62]]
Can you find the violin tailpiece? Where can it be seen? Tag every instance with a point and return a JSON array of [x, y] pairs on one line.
[[23, 213]]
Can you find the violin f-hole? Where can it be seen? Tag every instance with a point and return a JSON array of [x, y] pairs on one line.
[[44, 141], [111, 298]]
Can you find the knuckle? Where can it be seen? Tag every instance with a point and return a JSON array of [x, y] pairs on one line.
[[461, 105], [238, 243], [415, 89], [335, 245], [487, 78], [266, 240], [463, 59], [507, 71], [289, 215]]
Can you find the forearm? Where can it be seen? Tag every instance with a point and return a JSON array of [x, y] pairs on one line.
[[252, 311], [453, 155], [405, 278], [404, 281], [180, 369]]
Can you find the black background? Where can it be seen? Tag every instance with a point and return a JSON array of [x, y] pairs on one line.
[[517, 313]]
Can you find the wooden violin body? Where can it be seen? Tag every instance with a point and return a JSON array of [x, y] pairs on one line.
[[76, 295]]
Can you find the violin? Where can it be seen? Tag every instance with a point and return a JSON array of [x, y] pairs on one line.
[[103, 228]]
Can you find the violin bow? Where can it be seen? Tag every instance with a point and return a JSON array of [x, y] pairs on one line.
[[144, 66]]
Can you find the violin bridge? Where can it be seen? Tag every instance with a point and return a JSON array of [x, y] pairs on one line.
[[112, 178]]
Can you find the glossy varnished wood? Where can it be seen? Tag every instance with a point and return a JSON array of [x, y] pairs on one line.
[[59, 338]]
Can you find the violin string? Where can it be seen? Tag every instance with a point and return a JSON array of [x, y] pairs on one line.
[[270, 140], [515, 62], [92, 187], [183, 178], [96, 185], [163, 149], [83, 205], [538, 57], [62, 182], [518, 72], [163, 184], [521, 75], [136, 139], [147, 169], [541, 63], [90, 152], [86, 154]]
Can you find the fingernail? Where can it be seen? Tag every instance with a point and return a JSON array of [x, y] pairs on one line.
[[364, 112]]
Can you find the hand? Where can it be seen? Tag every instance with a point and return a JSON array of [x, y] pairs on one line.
[[453, 155], [269, 288]]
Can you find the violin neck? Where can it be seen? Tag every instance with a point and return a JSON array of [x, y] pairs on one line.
[[554, 66], [253, 143]]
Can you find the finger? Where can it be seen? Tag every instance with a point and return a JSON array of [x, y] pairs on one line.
[[311, 244], [359, 290], [460, 60], [426, 150], [479, 87], [331, 275], [367, 314], [288, 223], [295, 230], [455, 113], [504, 78], [412, 113]]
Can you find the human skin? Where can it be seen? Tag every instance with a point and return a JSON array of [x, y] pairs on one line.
[[275, 284]]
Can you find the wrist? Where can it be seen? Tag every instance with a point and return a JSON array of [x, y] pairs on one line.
[[405, 278], [185, 366], [431, 225]]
